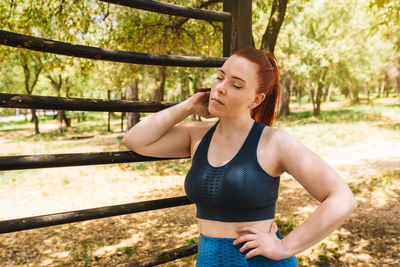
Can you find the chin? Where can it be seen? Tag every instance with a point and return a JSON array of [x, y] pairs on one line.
[[214, 112]]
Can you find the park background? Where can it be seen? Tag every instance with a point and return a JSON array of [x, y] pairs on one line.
[[340, 77]]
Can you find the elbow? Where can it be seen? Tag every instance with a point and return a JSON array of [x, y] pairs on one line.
[[350, 203], [129, 142], [353, 203], [126, 142], [345, 203]]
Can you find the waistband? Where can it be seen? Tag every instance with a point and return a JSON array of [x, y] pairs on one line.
[[219, 251], [232, 215], [229, 239]]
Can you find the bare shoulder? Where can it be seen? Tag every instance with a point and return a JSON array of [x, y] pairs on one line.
[[196, 131], [280, 137], [275, 137], [284, 143], [196, 128], [271, 149], [290, 153]]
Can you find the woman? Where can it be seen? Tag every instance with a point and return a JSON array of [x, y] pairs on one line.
[[236, 165]]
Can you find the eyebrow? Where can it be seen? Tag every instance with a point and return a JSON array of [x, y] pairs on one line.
[[236, 77]]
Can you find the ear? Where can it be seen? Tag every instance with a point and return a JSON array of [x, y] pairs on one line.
[[259, 98]]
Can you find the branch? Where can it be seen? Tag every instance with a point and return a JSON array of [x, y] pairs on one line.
[[38, 69], [274, 25], [60, 7], [216, 27], [203, 5]]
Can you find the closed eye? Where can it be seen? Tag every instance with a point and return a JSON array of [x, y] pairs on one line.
[[236, 86]]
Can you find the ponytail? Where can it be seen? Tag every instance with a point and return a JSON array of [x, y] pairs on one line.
[[265, 112]]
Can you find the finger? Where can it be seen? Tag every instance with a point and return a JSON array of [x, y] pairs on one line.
[[271, 227], [244, 238], [248, 245], [275, 227], [253, 252], [250, 229]]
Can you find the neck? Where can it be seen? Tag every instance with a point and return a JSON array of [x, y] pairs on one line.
[[228, 127]]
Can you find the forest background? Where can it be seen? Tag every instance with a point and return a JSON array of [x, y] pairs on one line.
[[331, 54]]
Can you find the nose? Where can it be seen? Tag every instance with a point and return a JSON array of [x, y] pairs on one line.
[[220, 87]]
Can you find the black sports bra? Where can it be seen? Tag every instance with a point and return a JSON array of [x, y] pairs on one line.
[[236, 192]]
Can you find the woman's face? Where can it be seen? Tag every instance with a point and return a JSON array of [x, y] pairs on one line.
[[233, 91]]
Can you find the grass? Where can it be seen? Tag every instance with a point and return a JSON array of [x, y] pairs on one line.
[[344, 115]]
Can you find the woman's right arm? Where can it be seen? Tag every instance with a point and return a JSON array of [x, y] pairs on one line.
[[161, 135]]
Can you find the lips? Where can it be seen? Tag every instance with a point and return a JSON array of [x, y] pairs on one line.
[[216, 100]]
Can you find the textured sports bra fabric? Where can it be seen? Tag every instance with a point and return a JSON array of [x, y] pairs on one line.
[[238, 191]]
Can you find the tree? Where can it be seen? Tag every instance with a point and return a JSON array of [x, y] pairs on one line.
[[32, 69], [268, 42], [327, 58], [276, 18]]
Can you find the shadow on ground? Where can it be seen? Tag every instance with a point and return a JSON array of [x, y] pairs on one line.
[[369, 238]]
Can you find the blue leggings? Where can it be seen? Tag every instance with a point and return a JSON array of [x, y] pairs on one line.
[[213, 251]]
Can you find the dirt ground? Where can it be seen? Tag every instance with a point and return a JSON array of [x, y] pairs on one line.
[[370, 237]]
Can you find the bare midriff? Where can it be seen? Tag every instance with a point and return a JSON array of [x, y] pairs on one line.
[[228, 229]]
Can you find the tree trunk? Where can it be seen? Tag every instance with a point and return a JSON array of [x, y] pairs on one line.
[[387, 84], [285, 96], [67, 120], [311, 94], [57, 84], [30, 86], [185, 89], [300, 94], [328, 97], [109, 113], [159, 94], [354, 96], [326, 93], [35, 120], [132, 93], [398, 80], [380, 89], [317, 109], [274, 25], [60, 112]]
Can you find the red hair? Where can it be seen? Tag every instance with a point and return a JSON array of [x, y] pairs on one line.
[[267, 74]]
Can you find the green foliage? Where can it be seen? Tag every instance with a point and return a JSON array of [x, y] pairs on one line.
[[339, 44], [85, 255], [139, 166], [323, 260], [348, 46], [190, 241], [285, 227], [101, 24], [350, 114], [384, 180], [128, 251]]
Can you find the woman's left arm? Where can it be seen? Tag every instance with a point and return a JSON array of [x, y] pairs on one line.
[[323, 183]]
